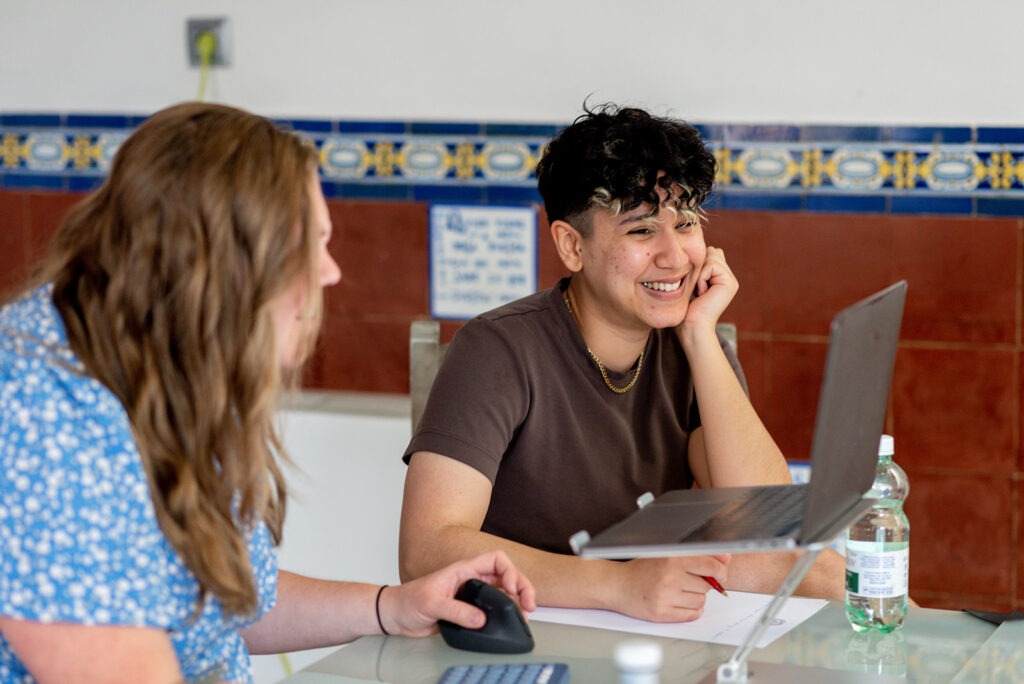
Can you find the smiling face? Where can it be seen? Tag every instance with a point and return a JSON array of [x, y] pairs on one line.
[[291, 308], [638, 271]]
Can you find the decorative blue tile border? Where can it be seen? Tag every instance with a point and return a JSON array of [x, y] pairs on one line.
[[858, 169]]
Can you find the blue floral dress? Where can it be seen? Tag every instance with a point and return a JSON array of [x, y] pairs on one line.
[[79, 539]]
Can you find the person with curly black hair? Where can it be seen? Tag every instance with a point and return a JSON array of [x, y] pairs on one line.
[[552, 414]]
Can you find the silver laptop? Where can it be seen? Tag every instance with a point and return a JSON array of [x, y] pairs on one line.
[[851, 416]]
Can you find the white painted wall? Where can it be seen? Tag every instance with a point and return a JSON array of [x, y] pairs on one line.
[[817, 61], [346, 498]]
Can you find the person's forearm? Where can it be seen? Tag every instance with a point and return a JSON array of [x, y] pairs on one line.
[[826, 578], [560, 579], [311, 613], [764, 573], [739, 450]]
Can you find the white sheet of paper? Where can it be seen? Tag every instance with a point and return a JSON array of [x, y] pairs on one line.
[[726, 619]]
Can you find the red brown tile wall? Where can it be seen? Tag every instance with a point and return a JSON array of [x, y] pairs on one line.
[[955, 409]]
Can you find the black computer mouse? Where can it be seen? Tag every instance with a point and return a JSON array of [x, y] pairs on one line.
[[505, 631]]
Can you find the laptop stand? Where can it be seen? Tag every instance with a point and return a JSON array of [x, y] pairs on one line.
[[735, 669]]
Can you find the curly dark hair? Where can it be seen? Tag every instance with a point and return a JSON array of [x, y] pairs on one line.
[[611, 156]]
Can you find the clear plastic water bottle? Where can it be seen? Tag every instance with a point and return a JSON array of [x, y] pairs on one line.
[[877, 653], [878, 551]]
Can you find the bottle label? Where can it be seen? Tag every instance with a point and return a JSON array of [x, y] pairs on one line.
[[883, 574]]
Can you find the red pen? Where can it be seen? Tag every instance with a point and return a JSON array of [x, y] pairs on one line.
[[715, 585]]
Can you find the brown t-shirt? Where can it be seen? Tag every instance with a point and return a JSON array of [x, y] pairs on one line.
[[519, 398]]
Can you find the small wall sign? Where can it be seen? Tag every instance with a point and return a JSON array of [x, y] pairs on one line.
[[480, 257]]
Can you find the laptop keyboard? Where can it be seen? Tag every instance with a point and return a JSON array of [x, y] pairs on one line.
[[763, 512]]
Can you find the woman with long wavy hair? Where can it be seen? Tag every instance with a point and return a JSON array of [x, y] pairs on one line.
[[141, 493]]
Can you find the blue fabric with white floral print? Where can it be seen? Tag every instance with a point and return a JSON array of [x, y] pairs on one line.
[[79, 539]]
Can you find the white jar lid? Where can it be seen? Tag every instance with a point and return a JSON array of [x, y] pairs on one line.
[[885, 446], [638, 655]]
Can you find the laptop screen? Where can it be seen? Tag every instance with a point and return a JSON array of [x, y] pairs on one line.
[[861, 357]]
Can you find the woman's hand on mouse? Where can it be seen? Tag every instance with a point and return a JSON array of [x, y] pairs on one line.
[[413, 608]]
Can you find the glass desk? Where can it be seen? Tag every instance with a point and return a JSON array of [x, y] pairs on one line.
[[934, 646]]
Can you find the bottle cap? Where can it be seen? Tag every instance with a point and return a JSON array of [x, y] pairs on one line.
[[638, 655], [885, 446]]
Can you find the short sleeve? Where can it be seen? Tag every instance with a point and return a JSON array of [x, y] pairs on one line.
[[477, 401], [79, 540]]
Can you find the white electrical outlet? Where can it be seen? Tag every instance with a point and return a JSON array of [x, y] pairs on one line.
[[220, 28]]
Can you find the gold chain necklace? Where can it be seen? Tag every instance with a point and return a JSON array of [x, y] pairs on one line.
[[600, 366]]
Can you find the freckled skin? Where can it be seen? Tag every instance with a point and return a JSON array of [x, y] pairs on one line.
[[627, 263]]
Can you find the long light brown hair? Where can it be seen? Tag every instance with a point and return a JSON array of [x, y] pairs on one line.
[[163, 278]]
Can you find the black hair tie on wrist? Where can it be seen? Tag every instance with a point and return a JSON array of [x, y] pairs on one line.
[[380, 623]]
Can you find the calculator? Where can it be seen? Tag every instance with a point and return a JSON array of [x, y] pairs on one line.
[[519, 673]]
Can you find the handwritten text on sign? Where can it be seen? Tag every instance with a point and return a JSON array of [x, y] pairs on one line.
[[481, 257]]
